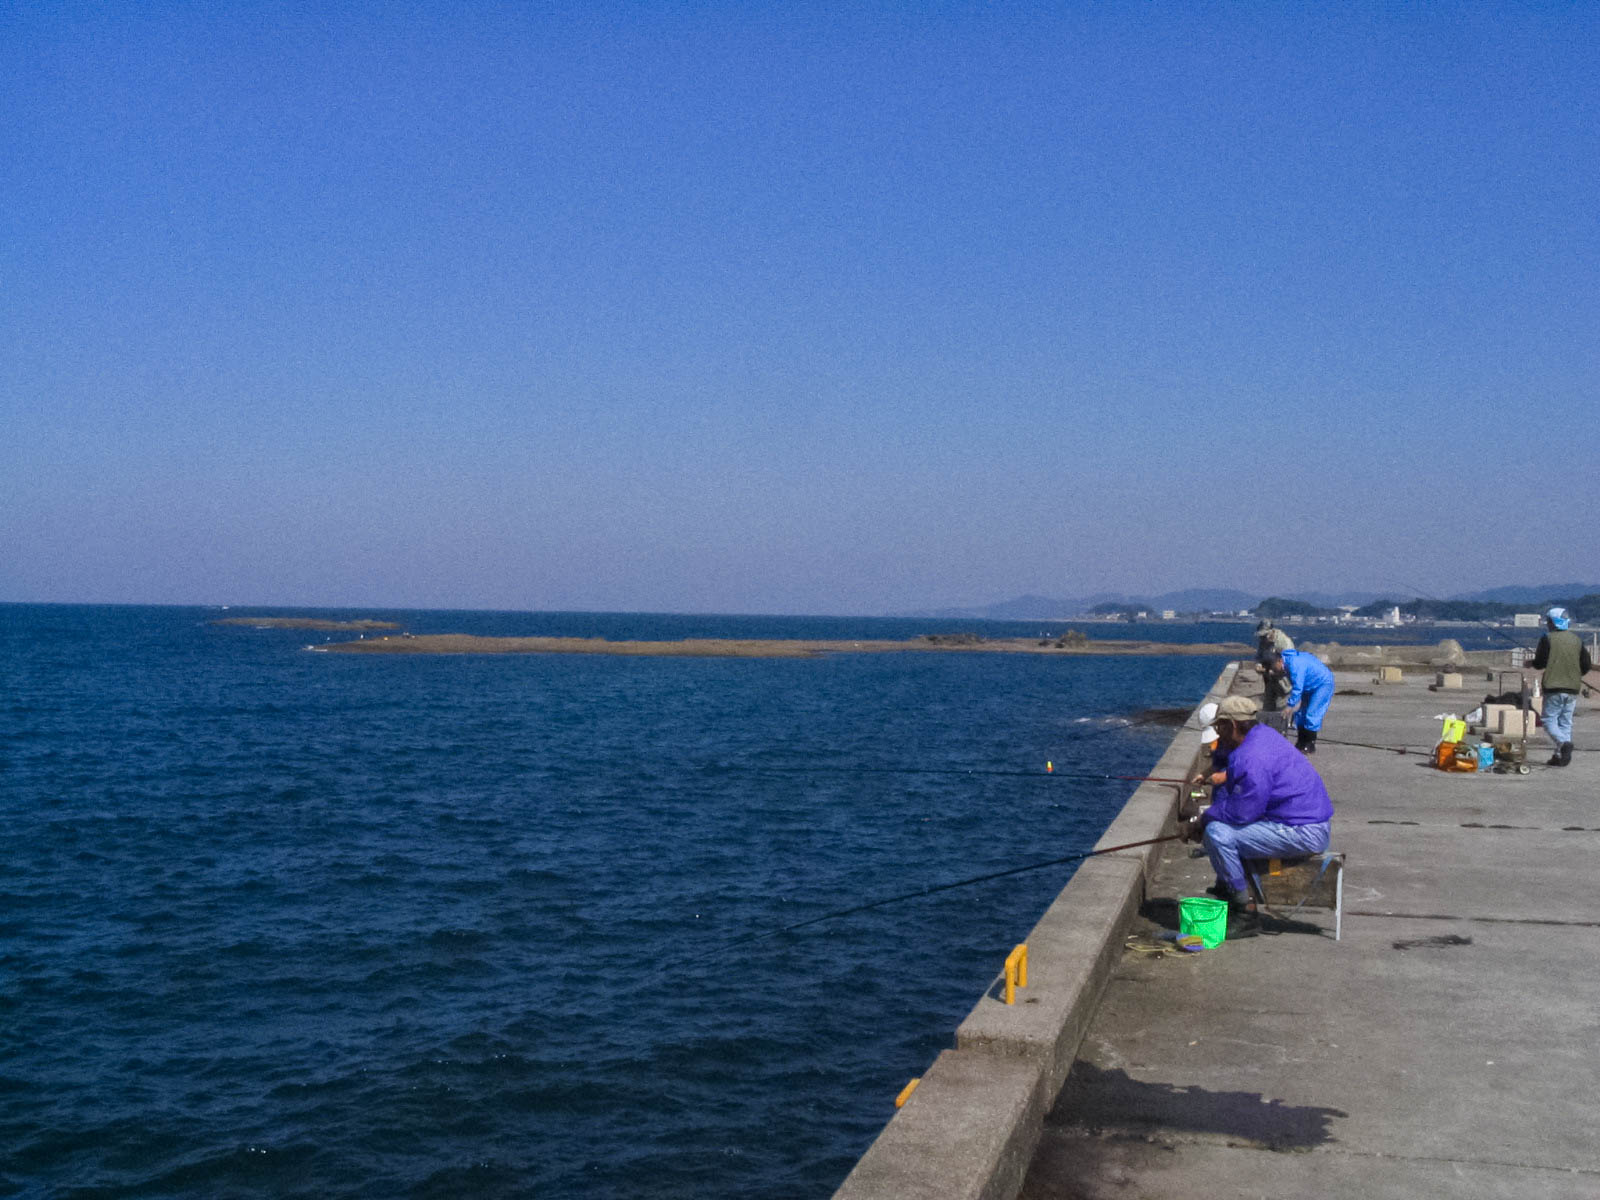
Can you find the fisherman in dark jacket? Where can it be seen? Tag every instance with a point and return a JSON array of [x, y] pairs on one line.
[[1564, 659]]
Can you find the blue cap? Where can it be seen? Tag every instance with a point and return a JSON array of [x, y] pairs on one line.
[[1558, 617]]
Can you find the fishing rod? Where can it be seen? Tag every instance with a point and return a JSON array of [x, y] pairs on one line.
[[1327, 741], [960, 883], [1048, 773], [1494, 629]]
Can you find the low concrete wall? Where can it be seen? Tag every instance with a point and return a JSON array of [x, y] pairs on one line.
[[970, 1129]]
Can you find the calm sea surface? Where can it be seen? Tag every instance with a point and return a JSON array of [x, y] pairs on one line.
[[277, 923]]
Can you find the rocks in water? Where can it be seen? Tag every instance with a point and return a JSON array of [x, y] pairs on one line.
[[1072, 639]]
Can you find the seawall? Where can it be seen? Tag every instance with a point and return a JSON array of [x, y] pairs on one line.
[[969, 1130]]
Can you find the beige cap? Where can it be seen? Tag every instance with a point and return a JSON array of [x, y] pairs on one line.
[[1237, 708]]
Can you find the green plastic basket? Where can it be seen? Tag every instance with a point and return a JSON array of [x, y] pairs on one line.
[[1204, 917]]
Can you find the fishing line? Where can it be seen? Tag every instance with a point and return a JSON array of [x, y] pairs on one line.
[[942, 887], [1495, 629], [1328, 741], [964, 771], [1050, 773]]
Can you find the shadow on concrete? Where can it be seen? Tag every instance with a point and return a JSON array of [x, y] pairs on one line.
[[1110, 1104], [1163, 911]]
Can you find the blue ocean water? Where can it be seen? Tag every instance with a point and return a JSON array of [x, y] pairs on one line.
[[278, 923]]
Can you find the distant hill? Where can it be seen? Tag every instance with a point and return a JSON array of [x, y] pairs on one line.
[[1206, 600], [1533, 595], [1045, 608], [1337, 599]]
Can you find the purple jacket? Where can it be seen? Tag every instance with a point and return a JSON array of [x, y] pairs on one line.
[[1269, 780]]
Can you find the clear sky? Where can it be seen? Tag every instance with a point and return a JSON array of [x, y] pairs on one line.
[[843, 308]]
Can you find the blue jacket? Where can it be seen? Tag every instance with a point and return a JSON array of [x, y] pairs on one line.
[[1306, 674], [1269, 780]]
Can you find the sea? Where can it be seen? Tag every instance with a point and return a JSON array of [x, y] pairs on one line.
[[280, 923]]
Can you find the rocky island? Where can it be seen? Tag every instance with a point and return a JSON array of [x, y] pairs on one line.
[[460, 643], [307, 623]]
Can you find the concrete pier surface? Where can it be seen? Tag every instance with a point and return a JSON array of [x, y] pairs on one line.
[[1449, 1045]]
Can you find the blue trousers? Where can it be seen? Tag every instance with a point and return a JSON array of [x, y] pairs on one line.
[[1227, 845], [1313, 705], [1558, 710]]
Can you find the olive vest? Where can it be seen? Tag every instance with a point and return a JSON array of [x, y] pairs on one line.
[[1564, 671]]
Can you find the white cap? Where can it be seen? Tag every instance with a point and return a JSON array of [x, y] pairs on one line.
[[1208, 735], [1207, 713]]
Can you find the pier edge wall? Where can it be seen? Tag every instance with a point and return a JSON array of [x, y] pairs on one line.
[[970, 1129]]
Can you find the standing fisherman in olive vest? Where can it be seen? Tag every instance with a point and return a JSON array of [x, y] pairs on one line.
[[1565, 661], [1271, 642]]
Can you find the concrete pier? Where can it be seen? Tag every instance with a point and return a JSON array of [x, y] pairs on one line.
[[1447, 1046]]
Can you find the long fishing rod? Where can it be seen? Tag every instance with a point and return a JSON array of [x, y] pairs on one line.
[[1327, 741], [1048, 773], [1494, 629], [945, 887]]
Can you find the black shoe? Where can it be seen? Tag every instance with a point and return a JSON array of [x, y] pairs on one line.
[[1556, 760], [1566, 753], [1220, 890]]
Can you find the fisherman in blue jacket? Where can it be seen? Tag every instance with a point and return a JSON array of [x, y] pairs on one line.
[[1311, 688], [1272, 805]]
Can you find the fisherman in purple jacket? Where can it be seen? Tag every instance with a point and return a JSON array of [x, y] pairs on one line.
[[1273, 805]]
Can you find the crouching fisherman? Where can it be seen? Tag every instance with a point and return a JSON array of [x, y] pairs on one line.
[[1311, 688], [1272, 805]]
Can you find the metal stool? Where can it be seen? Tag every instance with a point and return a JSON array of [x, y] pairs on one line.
[[1315, 879]]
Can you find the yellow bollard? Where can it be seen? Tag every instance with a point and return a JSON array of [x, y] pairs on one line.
[[1016, 971], [905, 1092]]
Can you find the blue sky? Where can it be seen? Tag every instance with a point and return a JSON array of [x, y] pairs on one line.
[[794, 308]]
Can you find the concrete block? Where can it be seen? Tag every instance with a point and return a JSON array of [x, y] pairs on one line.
[[967, 1133], [1446, 680], [1508, 720], [1492, 714], [1390, 675], [1516, 723]]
